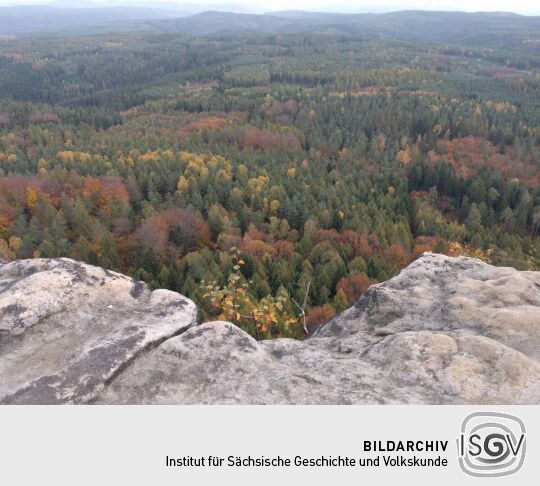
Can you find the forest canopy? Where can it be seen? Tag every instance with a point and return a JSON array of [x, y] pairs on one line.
[[254, 173]]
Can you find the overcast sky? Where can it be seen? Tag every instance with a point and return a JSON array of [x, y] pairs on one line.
[[519, 6]]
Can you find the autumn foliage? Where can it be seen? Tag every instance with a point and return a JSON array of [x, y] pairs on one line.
[[173, 232], [258, 139], [269, 317], [354, 286], [242, 171], [319, 315]]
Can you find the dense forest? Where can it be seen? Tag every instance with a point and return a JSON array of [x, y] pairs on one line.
[[267, 174]]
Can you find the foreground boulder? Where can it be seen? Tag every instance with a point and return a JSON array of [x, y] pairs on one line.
[[444, 331], [66, 328]]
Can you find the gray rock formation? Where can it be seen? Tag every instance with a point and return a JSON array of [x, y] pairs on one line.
[[67, 329], [444, 331]]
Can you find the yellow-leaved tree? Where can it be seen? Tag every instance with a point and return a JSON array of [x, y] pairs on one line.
[[266, 318], [460, 249]]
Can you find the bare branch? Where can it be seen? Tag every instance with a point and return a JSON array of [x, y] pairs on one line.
[[302, 308], [306, 296], [299, 306]]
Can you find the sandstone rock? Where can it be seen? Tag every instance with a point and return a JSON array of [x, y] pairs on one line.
[[67, 328], [444, 331]]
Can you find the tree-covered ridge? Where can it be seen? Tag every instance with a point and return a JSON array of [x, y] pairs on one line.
[[254, 166]]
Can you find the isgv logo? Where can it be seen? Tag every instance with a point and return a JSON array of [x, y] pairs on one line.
[[491, 444]]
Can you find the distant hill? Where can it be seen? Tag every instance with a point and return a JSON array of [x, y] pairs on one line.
[[487, 29], [46, 19], [475, 28], [213, 22]]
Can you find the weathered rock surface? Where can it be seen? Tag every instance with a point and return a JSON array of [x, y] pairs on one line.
[[66, 328], [445, 330]]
